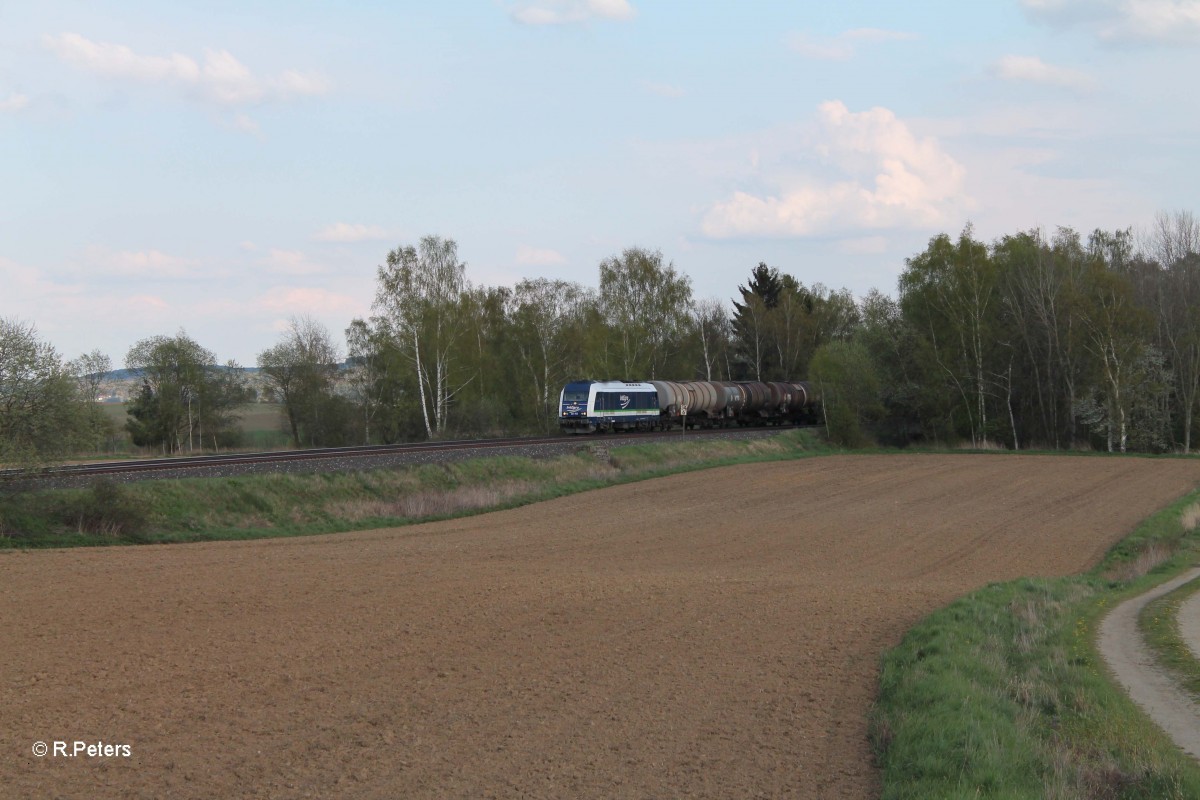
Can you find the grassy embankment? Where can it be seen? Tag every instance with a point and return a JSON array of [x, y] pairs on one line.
[[1002, 694], [288, 505]]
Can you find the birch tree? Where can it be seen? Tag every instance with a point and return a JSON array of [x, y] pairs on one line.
[[540, 313], [711, 323], [1116, 339], [646, 305], [419, 296], [949, 291]]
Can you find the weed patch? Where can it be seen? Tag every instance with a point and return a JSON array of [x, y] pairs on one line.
[[1190, 518], [107, 509]]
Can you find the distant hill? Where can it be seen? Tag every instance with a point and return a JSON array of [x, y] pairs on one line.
[[132, 374]]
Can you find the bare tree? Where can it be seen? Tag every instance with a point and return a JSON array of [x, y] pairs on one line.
[[710, 318], [92, 373], [301, 371], [368, 371], [1172, 238], [1171, 290], [541, 309]]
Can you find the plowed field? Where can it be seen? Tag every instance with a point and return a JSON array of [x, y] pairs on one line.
[[715, 634]]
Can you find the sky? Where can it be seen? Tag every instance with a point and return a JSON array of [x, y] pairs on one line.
[[220, 167]]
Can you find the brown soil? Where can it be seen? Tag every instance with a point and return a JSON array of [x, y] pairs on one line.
[[715, 634]]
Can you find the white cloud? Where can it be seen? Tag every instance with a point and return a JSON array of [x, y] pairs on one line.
[[1033, 70], [1146, 21], [864, 245], [244, 123], [539, 257], [82, 311], [308, 300], [290, 262], [23, 283], [14, 102], [350, 232], [844, 45], [872, 173], [145, 264], [663, 89], [220, 78], [147, 302], [562, 12]]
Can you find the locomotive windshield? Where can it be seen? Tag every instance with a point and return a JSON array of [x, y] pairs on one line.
[[578, 397]]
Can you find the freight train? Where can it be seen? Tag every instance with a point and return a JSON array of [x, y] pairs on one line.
[[591, 406]]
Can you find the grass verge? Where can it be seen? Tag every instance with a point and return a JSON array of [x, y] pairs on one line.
[[283, 504], [1002, 693]]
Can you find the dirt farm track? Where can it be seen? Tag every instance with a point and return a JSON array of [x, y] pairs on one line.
[[715, 634]]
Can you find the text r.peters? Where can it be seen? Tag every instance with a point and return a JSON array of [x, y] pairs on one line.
[[97, 750]]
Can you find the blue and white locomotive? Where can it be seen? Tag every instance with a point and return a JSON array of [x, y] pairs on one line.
[[590, 406]]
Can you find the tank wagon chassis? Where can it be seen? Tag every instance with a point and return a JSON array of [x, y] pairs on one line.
[[601, 406]]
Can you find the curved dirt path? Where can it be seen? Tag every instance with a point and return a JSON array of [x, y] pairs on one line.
[[1131, 661], [1189, 622], [715, 634]]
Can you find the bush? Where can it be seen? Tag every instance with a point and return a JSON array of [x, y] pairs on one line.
[[848, 381], [108, 509]]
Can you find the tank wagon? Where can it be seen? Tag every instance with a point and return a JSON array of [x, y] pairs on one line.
[[590, 406]]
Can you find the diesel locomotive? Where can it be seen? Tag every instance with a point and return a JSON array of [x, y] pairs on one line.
[[592, 406]]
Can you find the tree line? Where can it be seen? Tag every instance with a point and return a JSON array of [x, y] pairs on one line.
[[1032, 340]]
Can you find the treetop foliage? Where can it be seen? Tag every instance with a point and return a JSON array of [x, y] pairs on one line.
[[42, 413], [186, 400]]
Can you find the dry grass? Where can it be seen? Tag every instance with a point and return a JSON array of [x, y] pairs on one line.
[[1154, 553], [1190, 518], [431, 503]]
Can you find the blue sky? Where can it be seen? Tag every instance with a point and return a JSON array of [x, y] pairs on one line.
[[221, 166]]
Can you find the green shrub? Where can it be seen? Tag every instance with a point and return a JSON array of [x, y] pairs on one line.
[[108, 509]]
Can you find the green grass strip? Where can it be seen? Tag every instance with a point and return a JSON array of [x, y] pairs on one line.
[[1002, 694]]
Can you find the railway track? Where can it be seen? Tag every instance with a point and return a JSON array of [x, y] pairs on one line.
[[206, 463]]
